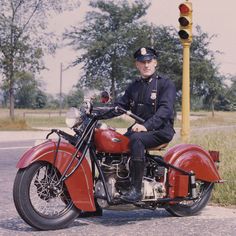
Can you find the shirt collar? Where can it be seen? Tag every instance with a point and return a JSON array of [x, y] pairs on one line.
[[149, 79]]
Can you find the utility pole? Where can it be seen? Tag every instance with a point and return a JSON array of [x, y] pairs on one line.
[[185, 34], [60, 98]]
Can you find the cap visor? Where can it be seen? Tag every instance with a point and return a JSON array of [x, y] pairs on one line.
[[145, 58]]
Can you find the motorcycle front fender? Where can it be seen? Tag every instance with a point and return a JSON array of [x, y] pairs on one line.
[[193, 158], [79, 184]]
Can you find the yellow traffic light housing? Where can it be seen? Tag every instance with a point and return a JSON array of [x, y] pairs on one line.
[[185, 21]]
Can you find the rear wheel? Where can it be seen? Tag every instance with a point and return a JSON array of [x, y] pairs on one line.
[[38, 200], [189, 208]]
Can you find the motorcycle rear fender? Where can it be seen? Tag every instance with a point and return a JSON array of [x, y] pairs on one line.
[[193, 158], [79, 184]]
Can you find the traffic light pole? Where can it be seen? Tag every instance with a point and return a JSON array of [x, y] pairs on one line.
[[185, 34], [185, 126]]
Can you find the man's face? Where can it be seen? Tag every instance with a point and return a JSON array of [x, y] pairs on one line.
[[146, 68]]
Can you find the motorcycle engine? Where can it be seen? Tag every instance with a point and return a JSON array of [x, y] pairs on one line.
[[117, 177], [152, 190], [116, 172]]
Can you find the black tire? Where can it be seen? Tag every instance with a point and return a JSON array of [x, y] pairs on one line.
[[41, 206], [190, 208]]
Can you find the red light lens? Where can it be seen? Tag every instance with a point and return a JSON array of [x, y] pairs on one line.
[[184, 9]]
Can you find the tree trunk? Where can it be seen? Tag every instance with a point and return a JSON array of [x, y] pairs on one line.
[[113, 93], [113, 76], [12, 102], [212, 109]]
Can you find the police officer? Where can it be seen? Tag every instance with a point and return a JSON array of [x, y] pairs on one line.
[[151, 97]]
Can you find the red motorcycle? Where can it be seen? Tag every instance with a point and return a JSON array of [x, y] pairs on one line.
[[58, 179]]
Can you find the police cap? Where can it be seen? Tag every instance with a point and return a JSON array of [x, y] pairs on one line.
[[145, 54]]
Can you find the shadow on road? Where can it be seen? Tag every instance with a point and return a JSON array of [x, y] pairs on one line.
[[109, 218], [118, 218], [17, 224]]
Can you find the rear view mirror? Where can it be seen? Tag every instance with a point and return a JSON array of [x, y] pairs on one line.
[[105, 97]]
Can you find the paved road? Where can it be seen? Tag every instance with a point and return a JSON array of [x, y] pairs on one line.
[[212, 221]]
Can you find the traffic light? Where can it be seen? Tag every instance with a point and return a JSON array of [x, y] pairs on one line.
[[185, 21]]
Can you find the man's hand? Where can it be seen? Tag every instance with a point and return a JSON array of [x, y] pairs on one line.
[[138, 128]]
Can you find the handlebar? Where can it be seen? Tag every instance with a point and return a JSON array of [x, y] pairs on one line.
[[103, 111], [65, 135], [137, 118]]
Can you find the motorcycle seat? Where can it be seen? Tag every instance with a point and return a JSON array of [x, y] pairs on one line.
[[158, 148]]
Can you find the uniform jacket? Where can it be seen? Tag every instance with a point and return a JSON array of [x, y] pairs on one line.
[[152, 99]]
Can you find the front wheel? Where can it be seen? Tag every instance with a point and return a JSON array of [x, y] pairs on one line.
[[189, 208], [39, 201]]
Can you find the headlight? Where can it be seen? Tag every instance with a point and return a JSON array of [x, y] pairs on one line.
[[73, 117]]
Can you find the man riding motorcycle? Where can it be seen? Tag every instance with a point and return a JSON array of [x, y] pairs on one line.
[[152, 98]]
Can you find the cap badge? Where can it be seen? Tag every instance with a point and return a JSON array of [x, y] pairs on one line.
[[143, 51]]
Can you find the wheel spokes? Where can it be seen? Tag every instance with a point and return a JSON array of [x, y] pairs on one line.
[[47, 198]]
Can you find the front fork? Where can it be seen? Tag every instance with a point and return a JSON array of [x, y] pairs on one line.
[[95, 163], [87, 135], [85, 145]]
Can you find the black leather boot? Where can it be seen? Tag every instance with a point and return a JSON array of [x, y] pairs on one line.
[[135, 194]]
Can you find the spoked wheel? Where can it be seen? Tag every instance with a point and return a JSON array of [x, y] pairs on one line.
[[39, 201], [189, 208]]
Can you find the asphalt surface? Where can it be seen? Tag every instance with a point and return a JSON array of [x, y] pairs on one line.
[[212, 220]]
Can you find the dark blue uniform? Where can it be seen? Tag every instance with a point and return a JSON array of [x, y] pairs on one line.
[[153, 100]]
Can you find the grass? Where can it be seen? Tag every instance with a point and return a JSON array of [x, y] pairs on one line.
[[119, 122], [222, 139], [17, 124], [33, 119], [205, 119]]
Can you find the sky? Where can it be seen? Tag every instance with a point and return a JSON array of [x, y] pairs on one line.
[[214, 16]]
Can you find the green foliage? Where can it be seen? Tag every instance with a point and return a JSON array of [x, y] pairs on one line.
[[27, 92], [107, 37], [75, 98], [229, 95], [23, 25]]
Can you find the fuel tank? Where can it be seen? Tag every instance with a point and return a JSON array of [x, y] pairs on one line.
[[110, 141]]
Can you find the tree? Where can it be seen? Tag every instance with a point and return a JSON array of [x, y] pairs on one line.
[[226, 101], [40, 99], [27, 92], [75, 97], [107, 37], [22, 26], [166, 41], [206, 81]]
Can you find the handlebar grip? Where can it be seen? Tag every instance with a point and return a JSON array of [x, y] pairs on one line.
[[137, 118]]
